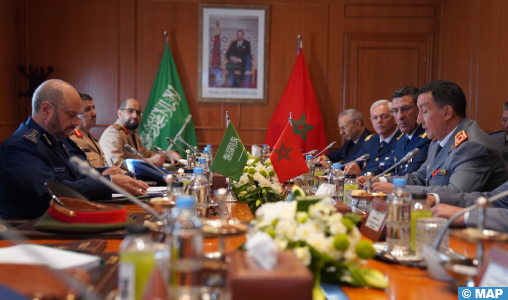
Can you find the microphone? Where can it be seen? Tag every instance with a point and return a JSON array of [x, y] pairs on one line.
[[310, 152], [135, 152], [175, 144], [363, 157], [178, 137], [407, 157], [327, 147], [160, 151], [85, 168]]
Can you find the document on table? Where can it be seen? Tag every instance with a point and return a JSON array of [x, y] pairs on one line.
[[151, 191]]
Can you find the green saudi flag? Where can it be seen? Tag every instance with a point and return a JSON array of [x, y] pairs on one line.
[[231, 157], [167, 113]]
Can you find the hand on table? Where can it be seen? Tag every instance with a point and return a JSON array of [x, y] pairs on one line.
[[446, 211], [113, 170], [134, 187], [158, 159], [352, 169], [384, 187]]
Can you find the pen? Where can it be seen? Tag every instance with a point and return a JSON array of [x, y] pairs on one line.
[[137, 197]]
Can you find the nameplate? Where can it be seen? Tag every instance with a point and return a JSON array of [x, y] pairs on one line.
[[325, 189], [374, 226], [494, 270]]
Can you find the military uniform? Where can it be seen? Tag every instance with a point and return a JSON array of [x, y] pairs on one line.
[[377, 157], [113, 139], [345, 153], [499, 138], [90, 145], [468, 162], [418, 140], [29, 158]]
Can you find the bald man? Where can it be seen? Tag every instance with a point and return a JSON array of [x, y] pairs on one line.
[[39, 152]]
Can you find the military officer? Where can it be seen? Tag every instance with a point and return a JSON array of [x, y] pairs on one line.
[[462, 157], [124, 131], [380, 146], [85, 140], [353, 130], [39, 151], [500, 137], [405, 112]]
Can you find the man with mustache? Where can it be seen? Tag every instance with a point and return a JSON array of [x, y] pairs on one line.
[[461, 157], [124, 131], [39, 152], [380, 145]]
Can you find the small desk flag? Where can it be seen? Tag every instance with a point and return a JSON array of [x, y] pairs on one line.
[[231, 157]]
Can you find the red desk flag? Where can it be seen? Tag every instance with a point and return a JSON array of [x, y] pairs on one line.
[[286, 157], [300, 99]]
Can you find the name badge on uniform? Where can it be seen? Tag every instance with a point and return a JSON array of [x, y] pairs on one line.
[[59, 169], [441, 172]]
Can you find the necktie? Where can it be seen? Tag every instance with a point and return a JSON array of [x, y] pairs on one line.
[[381, 145], [438, 149], [239, 44], [407, 142]]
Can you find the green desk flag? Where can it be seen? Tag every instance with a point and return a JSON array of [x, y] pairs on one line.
[[231, 157], [167, 113]]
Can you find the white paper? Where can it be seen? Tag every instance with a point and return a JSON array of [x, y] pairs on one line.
[[375, 220], [495, 276], [51, 257], [256, 151], [263, 249]]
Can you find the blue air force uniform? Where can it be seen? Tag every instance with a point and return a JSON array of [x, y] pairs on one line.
[[418, 140], [29, 158], [378, 157], [345, 153]]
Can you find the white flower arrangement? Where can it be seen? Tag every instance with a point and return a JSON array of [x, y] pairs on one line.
[[258, 184], [326, 241]]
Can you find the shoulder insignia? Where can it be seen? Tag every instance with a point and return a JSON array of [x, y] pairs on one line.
[[400, 136], [424, 135], [394, 159], [120, 127], [460, 137], [32, 136], [368, 138], [78, 133]]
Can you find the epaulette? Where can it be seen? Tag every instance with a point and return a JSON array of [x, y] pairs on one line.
[[423, 135], [77, 133], [400, 136], [119, 127], [33, 135], [368, 138], [460, 137]]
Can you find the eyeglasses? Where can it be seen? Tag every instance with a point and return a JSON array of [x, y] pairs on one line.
[[130, 111], [71, 114], [382, 117], [402, 110]]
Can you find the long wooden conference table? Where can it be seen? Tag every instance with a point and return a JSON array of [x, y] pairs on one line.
[[404, 282]]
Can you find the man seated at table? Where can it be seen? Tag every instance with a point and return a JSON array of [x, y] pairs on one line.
[[380, 146], [469, 160], [352, 129], [39, 151], [500, 137], [123, 132], [405, 112]]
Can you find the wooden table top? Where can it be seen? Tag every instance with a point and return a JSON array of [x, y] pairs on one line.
[[404, 282]]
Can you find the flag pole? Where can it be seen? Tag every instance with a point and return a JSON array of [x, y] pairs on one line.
[[290, 120], [165, 38], [298, 45], [227, 119]]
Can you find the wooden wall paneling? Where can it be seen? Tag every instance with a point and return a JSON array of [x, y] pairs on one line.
[[80, 40], [492, 63], [377, 65], [456, 45], [8, 69], [287, 21]]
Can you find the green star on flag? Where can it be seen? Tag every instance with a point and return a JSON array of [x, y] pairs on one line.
[[285, 150], [301, 127]]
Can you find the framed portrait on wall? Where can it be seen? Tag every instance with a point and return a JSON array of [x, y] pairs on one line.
[[233, 53]]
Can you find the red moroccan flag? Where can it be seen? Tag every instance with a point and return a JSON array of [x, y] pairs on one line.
[[286, 157], [300, 99]]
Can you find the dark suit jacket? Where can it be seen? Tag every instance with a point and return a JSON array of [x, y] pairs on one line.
[[345, 155], [473, 165], [240, 52], [29, 158], [499, 138], [377, 158], [419, 140]]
